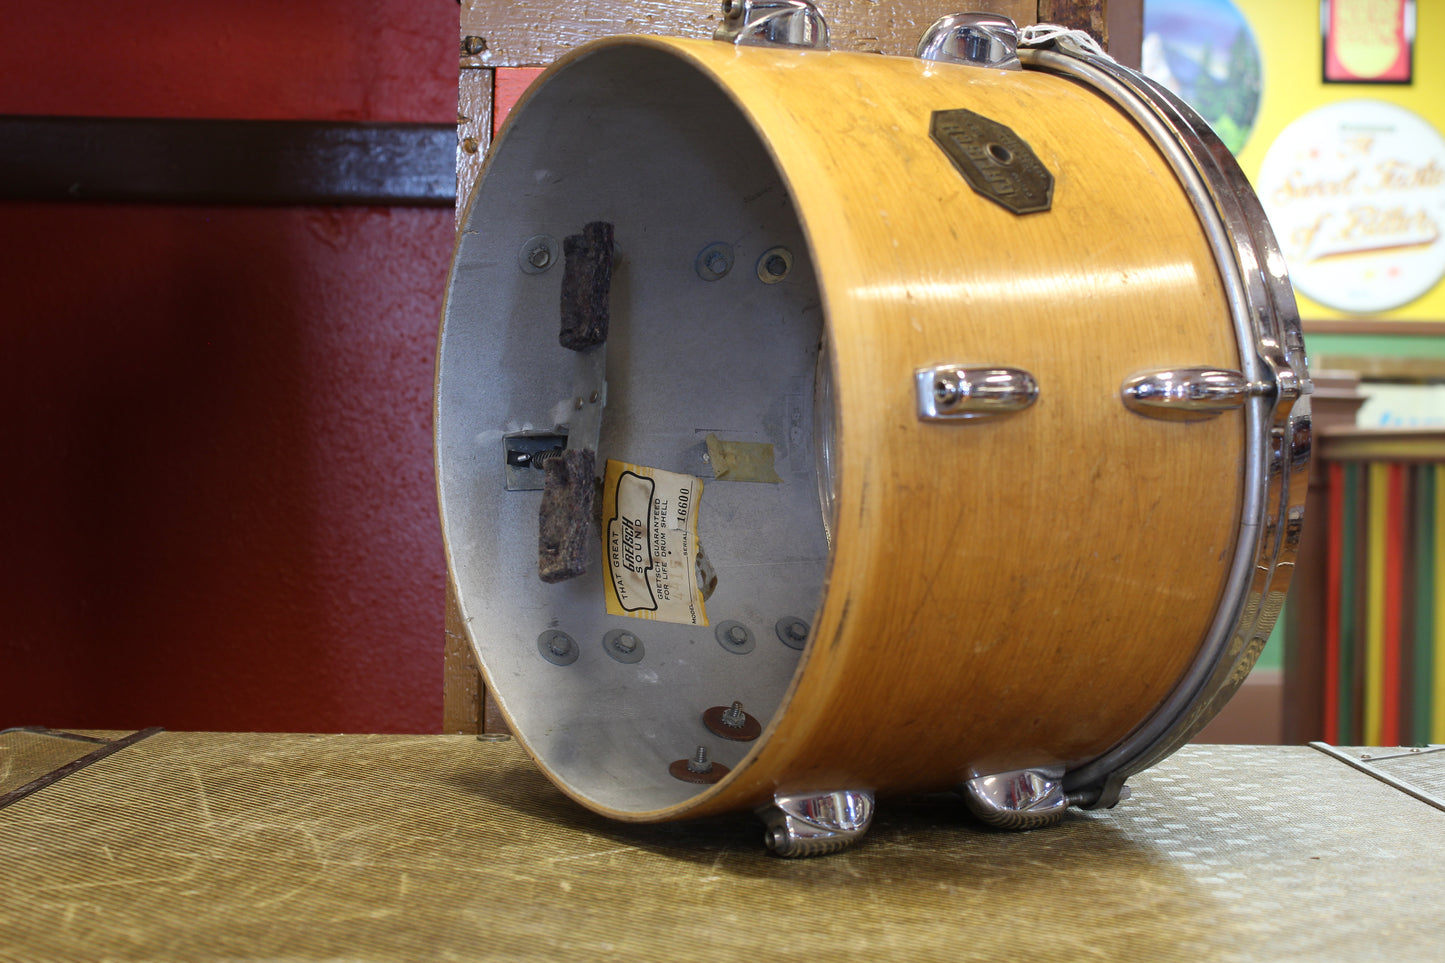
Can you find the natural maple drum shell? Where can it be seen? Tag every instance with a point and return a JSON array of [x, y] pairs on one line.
[[1009, 592]]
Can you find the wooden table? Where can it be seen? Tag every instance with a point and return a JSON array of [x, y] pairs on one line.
[[204, 846]]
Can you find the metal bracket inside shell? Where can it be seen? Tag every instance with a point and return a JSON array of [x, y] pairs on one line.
[[815, 825]]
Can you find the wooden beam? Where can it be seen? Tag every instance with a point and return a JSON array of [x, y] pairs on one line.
[[461, 681], [1086, 15], [1433, 329], [162, 160], [536, 32], [474, 131], [1124, 22]]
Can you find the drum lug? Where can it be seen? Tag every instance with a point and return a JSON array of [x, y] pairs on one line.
[[975, 39], [815, 825], [1291, 381], [772, 23], [1021, 799], [1189, 394], [949, 392]]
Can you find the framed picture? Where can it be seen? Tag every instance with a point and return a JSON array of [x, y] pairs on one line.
[[1368, 41]]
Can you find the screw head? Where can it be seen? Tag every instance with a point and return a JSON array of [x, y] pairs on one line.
[[774, 265], [792, 631], [623, 646], [1000, 154], [699, 762], [557, 647], [714, 261], [732, 723], [538, 253], [946, 391], [735, 637]]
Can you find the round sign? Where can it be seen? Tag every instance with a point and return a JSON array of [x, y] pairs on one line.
[[1355, 191]]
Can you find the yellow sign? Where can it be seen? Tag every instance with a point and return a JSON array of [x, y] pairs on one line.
[[1355, 191], [1288, 32]]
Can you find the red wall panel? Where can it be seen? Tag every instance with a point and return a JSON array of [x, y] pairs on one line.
[[385, 60], [216, 503]]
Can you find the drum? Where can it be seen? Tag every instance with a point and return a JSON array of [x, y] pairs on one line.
[[816, 426]]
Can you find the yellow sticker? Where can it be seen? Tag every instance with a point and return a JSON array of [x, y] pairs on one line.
[[650, 550]]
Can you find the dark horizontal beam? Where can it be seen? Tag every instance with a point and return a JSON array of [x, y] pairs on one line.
[[226, 161]]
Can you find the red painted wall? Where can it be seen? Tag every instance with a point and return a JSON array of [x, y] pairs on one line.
[[216, 500]]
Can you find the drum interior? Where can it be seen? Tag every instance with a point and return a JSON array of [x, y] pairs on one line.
[[641, 140]]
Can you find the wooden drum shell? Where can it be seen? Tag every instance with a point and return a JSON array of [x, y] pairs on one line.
[[1010, 592]]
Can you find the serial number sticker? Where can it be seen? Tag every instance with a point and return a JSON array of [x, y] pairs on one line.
[[650, 549]]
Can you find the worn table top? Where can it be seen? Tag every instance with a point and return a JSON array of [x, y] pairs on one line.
[[206, 846]]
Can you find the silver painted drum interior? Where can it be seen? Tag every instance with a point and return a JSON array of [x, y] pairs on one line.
[[631, 136]]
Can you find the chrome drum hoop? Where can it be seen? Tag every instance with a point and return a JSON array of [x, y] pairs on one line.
[[1277, 424]]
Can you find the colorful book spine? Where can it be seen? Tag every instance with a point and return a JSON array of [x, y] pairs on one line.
[[1384, 645], [1436, 672]]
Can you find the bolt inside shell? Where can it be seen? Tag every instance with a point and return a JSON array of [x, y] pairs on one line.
[[734, 716], [699, 762]]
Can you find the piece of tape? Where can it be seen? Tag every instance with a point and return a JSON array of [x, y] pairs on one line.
[[741, 461]]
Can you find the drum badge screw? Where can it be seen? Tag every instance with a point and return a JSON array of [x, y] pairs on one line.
[[698, 769], [731, 722]]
